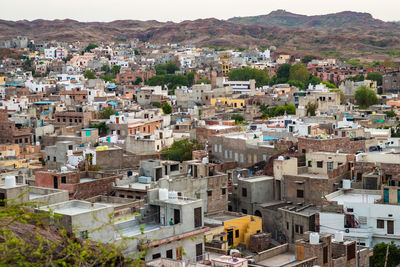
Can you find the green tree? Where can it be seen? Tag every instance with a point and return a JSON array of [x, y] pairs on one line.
[[102, 127], [299, 72], [379, 255], [190, 77], [106, 113], [283, 73], [296, 83], [308, 58], [329, 85], [138, 81], [204, 80], [390, 114], [375, 76], [247, 73], [181, 150], [105, 68], [166, 108], [137, 52], [238, 118], [167, 68], [289, 109], [90, 47], [365, 96], [311, 108], [357, 78], [115, 69], [89, 74], [314, 80], [108, 78]]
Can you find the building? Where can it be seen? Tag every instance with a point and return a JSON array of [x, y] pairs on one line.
[[12, 132]]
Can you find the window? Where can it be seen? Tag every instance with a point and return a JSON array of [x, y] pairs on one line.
[[169, 254], [237, 233], [390, 227], [380, 224], [244, 211], [123, 196], [320, 164], [309, 163], [63, 179], [223, 191], [156, 256], [84, 234], [350, 210], [287, 225], [70, 147], [330, 166], [54, 159], [244, 192], [300, 193], [209, 193], [325, 256], [299, 229]]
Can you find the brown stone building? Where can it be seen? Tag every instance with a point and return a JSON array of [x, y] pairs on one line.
[[76, 95], [13, 133], [391, 82], [131, 76], [69, 118]]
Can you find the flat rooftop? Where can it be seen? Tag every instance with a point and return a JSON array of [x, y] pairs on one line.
[[219, 218], [75, 207], [279, 260], [85, 180], [256, 179], [137, 186], [356, 198]]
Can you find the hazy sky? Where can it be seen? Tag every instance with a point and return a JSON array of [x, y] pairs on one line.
[[178, 10]]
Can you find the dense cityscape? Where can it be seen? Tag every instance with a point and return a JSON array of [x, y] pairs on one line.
[[142, 153]]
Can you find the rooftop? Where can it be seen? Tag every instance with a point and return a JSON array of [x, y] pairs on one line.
[[354, 196], [279, 260], [74, 207]]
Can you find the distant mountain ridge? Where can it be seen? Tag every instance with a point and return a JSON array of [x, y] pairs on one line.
[[282, 18], [346, 34]]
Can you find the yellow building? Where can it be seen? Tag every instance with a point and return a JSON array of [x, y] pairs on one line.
[[3, 80], [233, 228], [228, 102]]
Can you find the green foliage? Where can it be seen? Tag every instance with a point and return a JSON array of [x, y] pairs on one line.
[[329, 85], [108, 78], [299, 72], [137, 52], [167, 68], [390, 114], [295, 83], [170, 80], [311, 108], [89, 74], [102, 127], [138, 81], [238, 118], [308, 58], [283, 73], [357, 78], [156, 104], [105, 68], [106, 113], [90, 47], [268, 112], [365, 96], [354, 62], [115, 69], [247, 73], [181, 150], [204, 80], [375, 76], [166, 108], [379, 255], [190, 77]]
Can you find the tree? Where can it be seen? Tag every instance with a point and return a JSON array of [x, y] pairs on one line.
[[106, 113], [379, 255], [190, 77], [156, 104], [375, 76], [314, 80], [108, 78], [311, 108], [90, 47], [365, 96], [167, 68], [166, 108], [247, 73], [357, 78], [267, 111], [329, 85], [89, 74], [308, 58], [390, 114], [181, 150], [102, 127], [105, 68], [204, 80], [137, 52], [283, 73], [238, 118], [298, 84], [138, 81], [299, 72], [115, 69]]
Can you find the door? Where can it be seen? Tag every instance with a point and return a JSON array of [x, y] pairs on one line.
[[230, 237], [199, 252], [177, 216], [390, 227], [197, 217], [55, 182], [178, 251]]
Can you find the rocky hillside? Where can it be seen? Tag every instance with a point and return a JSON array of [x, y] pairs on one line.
[[345, 34]]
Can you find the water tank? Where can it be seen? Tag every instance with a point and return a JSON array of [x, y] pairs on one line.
[[10, 181], [64, 169], [37, 143], [314, 238], [205, 160], [346, 184], [172, 195], [339, 236], [163, 194], [281, 158]]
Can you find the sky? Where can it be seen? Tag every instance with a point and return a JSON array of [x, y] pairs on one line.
[[179, 10]]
